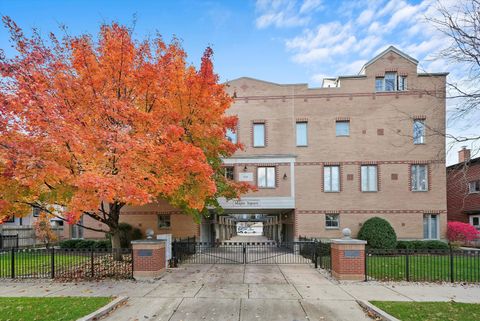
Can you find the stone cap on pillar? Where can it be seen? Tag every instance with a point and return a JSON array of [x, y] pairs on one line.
[[348, 241], [152, 241]]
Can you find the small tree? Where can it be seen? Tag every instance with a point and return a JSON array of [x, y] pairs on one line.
[[459, 233], [44, 231], [378, 233]]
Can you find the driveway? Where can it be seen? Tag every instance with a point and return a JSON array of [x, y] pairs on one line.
[[242, 292]]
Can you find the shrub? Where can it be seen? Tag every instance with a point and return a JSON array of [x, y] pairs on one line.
[[459, 233], [85, 244], [422, 245], [378, 233], [128, 233]]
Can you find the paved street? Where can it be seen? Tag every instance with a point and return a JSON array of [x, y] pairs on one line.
[[243, 292]]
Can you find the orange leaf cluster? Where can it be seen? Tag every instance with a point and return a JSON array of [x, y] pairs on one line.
[[112, 119]]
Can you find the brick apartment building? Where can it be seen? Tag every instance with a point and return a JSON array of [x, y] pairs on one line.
[[331, 157], [463, 189]]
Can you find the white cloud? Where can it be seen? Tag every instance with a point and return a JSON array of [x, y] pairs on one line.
[[365, 17], [285, 13]]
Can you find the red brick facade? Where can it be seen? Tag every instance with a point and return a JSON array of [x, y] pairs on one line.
[[460, 202], [348, 260]]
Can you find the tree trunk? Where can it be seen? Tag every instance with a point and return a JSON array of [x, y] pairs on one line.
[[116, 246], [114, 217]]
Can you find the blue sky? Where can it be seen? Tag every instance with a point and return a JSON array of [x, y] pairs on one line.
[[285, 41]]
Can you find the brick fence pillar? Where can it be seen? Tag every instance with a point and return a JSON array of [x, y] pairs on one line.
[[148, 259], [348, 258]]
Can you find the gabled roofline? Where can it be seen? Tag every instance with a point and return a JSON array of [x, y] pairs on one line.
[[391, 48], [472, 161]]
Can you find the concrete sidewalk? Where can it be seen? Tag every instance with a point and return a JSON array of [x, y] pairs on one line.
[[244, 292]]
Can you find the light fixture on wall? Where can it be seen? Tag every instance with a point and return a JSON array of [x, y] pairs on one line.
[[285, 176], [245, 168]]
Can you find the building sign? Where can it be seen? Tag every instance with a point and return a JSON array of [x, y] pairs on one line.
[[351, 253], [244, 203], [145, 252], [245, 177]]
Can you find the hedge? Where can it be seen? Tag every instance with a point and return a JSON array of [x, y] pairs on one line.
[[422, 245], [85, 244]]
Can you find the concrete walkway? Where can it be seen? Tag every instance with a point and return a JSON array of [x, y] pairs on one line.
[[244, 292]]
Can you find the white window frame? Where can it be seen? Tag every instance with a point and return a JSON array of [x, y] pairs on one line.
[[402, 80], [266, 183], [263, 142], [336, 218], [328, 179], [474, 187], [419, 140], [398, 80], [231, 136], [415, 172], [428, 217], [365, 181], [299, 131], [471, 221], [162, 220], [348, 128]]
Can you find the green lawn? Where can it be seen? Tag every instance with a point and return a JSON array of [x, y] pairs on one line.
[[49, 309], [424, 268], [37, 264], [430, 311]]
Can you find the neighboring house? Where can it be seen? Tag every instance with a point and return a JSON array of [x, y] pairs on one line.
[[328, 158], [463, 189]]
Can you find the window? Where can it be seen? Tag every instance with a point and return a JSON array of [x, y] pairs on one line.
[[402, 83], [369, 178], [36, 211], [163, 221], [379, 84], [474, 187], [430, 226], [419, 131], [10, 219], [230, 173], [475, 221], [302, 133], [258, 135], [332, 221], [419, 178], [391, 82], [266, 177], [77, 231], [331, 178], [231, 136], [342, 128]]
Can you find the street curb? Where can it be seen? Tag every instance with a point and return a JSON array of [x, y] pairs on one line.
[[95, 315], [376, 312]]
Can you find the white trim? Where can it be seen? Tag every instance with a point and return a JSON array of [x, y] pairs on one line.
[[274, 202]]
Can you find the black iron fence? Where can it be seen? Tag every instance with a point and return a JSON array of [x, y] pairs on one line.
[[322, 251], [246, 252], [66, 264], [9, 241], [454, 265]]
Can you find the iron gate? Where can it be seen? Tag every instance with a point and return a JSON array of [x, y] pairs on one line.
[[248, 252]]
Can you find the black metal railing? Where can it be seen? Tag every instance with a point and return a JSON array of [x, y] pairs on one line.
[[244, 252], [67, 264], [448, 265], [9, 241], [322, 251]]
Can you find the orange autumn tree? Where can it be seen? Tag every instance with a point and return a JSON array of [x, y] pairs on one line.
[[90, 125]]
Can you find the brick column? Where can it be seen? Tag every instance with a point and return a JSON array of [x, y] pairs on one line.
[[348, 259], [148, 259]]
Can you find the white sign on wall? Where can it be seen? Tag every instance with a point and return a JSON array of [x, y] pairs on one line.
[[245, 177]]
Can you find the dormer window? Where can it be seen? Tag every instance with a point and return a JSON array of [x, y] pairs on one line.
[[391, 82]]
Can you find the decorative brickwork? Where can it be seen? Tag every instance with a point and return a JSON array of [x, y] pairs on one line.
[[148, 259], [348, 259]]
